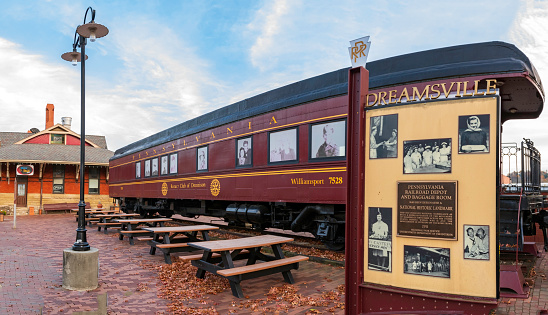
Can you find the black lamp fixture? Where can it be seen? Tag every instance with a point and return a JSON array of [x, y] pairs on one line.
[[92, 31]]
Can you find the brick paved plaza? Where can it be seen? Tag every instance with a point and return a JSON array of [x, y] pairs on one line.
[[31, 261]]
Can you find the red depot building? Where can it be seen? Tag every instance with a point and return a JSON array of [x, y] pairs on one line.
[[54, 154]]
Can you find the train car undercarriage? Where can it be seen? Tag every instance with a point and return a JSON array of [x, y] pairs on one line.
[[325, 221]]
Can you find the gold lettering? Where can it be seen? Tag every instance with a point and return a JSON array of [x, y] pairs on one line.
[[272, 120], [368, 103], [198, 138], [392, 95], [458, 90], [249, 125], [154, 151], [212, 135], [435, 90], [476, 85], [424, 92], [447, 92], [184, 143], [146, 153], [173, 144], [134, 157], [404, 92], [139, 155], [228, 130], [163, 148], [491, 84], [382, 95], [465, 89]]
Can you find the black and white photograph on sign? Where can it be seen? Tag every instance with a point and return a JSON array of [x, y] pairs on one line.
[[476, 242], [380, 239], [138, 170], [328, 140], [173, 163], [427, 156], [282, 146], [244, 152], [202, 159], [147, 168], [474, 134], [164, 165], [383, 137], [154, 163], [426, 261]]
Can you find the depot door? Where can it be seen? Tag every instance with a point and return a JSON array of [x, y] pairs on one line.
[[21, 200]]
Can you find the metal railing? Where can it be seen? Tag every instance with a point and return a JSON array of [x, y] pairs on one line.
[[525, 178]]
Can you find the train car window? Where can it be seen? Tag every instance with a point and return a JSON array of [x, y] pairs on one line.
[[173, 163], [282, 146], [138, 170], [327, 140], [147, 168], [201, 159], [163, 165], [244, 152], [154, 165], [383, 133]]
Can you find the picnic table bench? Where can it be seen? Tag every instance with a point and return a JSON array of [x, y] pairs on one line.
[[171, 243], [129, 227], [105, 220], [231, 250], [62, 206]]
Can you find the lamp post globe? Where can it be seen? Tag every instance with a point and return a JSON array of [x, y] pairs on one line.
[[92, 31]]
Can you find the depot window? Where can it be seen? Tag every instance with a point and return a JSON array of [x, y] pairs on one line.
[[58, 179], [94, 180]]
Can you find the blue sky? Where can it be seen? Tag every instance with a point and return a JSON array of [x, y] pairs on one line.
[[165, 62]]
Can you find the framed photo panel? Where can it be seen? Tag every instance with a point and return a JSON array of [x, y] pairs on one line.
[[201, 159], [427, 261], [474, 134], [173, 163], [244, 152], [328, 140], [138, 170], [427, 156], [380, 239], [147, 168], [282, 146], [164, 163], [154, 164], [383, 137], [476, 242]]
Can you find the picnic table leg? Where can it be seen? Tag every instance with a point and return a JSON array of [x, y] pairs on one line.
[[206, 257], [253, 253], [167, 254], [98, 226], [130, 228], [234, 285], [123, 228], [156, 238], [277, 249]]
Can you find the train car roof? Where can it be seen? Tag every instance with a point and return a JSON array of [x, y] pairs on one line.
[[523, 91]]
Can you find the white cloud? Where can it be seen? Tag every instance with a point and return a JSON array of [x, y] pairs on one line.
[[530, 34]]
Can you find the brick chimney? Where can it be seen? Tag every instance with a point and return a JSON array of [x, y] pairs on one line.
[[49, 115]]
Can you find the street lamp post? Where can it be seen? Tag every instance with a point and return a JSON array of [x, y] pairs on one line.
[[92, 31]]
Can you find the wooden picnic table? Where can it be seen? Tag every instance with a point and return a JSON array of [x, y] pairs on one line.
[[171, 239], [230, 250], [89, 213], [105, 220], [129, 226]]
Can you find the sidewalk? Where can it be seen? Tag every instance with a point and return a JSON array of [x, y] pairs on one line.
[[31, 262]]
